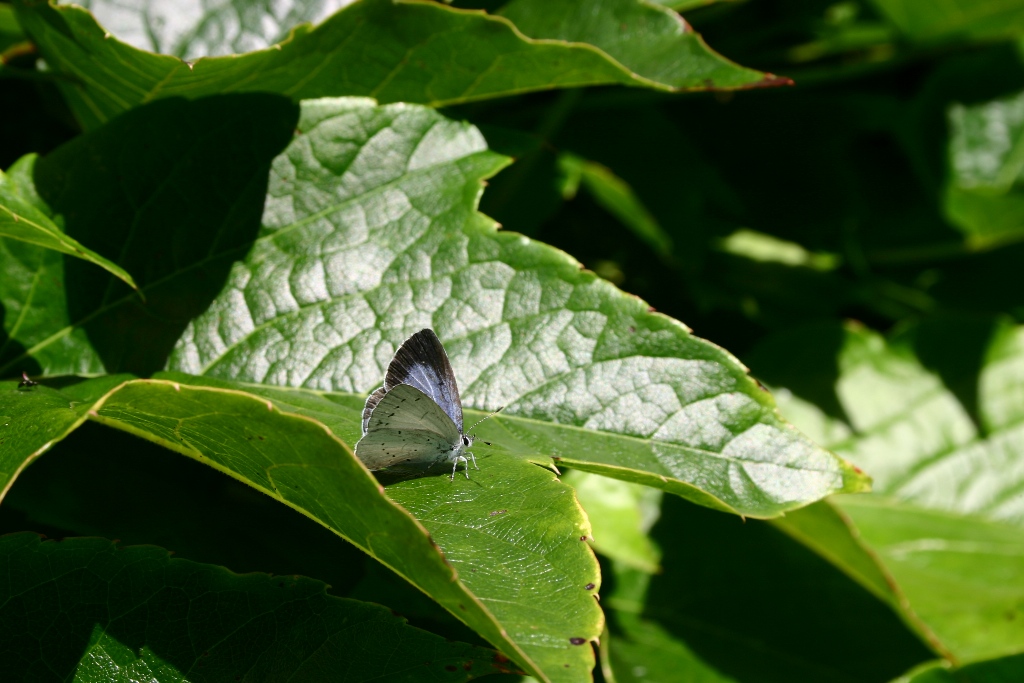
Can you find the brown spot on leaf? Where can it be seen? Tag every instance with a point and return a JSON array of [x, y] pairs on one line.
[[577, 641], [589, 586]]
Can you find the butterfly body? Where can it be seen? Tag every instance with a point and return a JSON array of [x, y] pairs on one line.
[[416, 417]]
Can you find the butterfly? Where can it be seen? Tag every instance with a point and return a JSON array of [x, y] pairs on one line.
[[416, 417]]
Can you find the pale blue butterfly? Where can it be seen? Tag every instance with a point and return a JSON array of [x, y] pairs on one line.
[[416, 417]]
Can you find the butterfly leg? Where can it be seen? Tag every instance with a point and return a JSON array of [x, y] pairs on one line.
[[455, 463], [474, 460]]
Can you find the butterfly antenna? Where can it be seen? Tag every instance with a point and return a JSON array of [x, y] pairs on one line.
[[486, 418]]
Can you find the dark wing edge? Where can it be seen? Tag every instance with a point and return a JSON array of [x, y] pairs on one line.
[[421, 362], [371, 402]]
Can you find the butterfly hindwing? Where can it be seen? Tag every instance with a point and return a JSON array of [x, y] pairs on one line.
[[421, 362], [406, 426], [371, 402]]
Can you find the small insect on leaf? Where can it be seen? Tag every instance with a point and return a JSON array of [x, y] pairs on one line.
[[416, 417], [25, 382]]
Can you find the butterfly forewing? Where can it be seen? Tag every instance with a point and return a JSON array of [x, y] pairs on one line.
[[422, 363], [406, 426]]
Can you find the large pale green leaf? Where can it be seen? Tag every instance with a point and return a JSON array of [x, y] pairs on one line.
[[670, 52], [175, 28], [935, 414], [89, 609], [404, 50], [525, 586], [358, 250]]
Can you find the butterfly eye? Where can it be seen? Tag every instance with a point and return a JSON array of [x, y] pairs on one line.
[[466, 441]]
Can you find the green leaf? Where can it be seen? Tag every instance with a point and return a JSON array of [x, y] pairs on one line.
[[358, 250], [10, 31], [521, 585], [410, 51], [971, 19], [985, 192], [621, 515], [615, 196], [21, 219], [963, 577], [651, 41], [739, 601], [33, 418], [990, 671], [69, 317], [127, 613], [935, 414]]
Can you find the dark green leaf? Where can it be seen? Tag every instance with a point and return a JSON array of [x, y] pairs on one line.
[[971, 19], [21, 220], [33, 418], [742, 602], [89, 609], [420, 52], [120, 190]]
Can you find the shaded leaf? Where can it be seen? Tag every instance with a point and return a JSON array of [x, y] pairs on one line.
[[615, 196], [33, 418], [70, 317], [742, 602], [971, 19], [933, 413], [421, 52], [22, 219], [134, 612]]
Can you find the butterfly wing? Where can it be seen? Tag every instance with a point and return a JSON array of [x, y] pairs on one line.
[[371, 402], [406, 426], [422, 363]]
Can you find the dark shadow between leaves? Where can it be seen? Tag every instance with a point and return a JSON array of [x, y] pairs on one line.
[[954, 347], [759, 607], [803, 359], [173, 192]]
